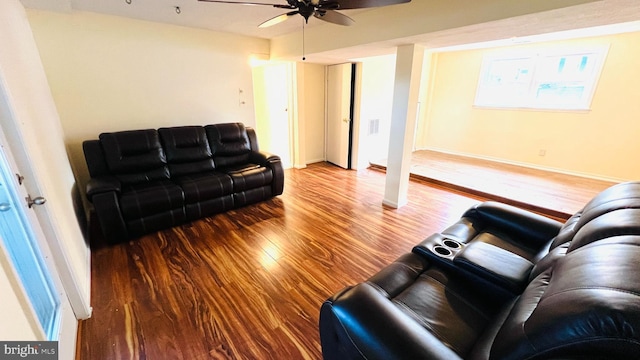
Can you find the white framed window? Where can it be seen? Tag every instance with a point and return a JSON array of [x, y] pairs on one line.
[[548, 79]]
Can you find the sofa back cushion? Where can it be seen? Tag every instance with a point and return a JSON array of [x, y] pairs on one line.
[[229, 143], [587, 304], [135, 156], [187, 150]]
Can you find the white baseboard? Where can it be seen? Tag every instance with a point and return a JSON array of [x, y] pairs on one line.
[[313, 161]]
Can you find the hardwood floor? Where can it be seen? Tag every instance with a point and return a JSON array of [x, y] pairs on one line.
[[248, 284], [551, 193]]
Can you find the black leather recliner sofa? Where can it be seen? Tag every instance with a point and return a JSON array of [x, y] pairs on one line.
[[146, 180], [503, 283]]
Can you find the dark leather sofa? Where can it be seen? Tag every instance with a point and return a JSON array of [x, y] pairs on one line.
[[503, 283], [146, 180]]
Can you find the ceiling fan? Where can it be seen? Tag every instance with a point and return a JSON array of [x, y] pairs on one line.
[[321, 9]]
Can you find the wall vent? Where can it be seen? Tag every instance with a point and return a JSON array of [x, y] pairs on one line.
[[374, 126]]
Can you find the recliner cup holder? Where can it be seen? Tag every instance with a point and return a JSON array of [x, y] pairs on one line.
[[442, 250], [452, 244]]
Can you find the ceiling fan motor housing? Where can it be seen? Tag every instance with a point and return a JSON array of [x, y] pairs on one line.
[[306, 10]]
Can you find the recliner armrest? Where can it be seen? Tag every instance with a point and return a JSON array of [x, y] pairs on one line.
[[273, 162], [534, 229], [263, 157], [495, 264], [101, 185], [361, 323]]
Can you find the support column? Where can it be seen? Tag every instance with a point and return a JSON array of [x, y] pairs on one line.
[[403, 122]]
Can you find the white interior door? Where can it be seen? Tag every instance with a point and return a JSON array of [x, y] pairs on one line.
[[36, 290], [338, 114], [272, 94], [277, 80]]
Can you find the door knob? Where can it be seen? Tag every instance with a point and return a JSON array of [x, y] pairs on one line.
[[36, 201], [5, 207]]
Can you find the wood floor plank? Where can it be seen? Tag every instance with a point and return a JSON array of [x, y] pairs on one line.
[[249, 283], [553, 193]]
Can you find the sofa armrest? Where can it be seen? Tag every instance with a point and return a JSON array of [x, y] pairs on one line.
[[273, 162], [534, 230], [263, 158], [361, 323], [101, 185]]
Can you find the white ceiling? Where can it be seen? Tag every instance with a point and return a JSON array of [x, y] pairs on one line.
[[595, 17], [232, 18]]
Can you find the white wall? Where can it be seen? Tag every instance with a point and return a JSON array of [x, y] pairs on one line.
[[109, 73], [36, 141], [376, 100]]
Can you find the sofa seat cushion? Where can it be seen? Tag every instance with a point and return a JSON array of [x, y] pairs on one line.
[[144, 199], [205, 186], [249, 176]]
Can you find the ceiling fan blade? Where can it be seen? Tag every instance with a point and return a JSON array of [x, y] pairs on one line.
[[361, 4], [278, 19], [249, 3], [334, 17]]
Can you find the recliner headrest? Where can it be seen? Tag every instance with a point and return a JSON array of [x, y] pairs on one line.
[[614, 223], [620, 196]]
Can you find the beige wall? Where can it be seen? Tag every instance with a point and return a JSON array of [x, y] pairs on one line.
[[311, 113], [601, 142], [109, 73]]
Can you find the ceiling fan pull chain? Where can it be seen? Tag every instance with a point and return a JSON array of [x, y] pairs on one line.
[[303, 25]]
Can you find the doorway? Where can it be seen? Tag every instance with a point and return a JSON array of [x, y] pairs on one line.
[[273, 106]]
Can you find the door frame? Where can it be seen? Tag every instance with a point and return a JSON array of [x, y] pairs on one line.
[[352, 107]]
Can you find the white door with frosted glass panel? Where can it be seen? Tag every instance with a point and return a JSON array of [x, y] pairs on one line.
[[36, 291], [338, 114]]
